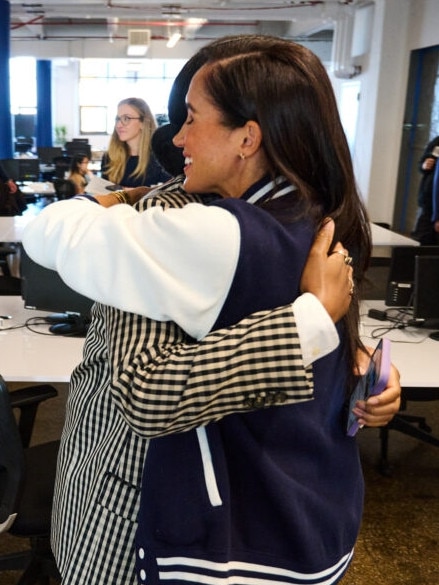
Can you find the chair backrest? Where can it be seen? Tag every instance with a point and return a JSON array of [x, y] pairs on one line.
[[62, 165], [64, 188], [12, 462]]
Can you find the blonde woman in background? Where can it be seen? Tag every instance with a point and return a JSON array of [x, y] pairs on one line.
[[129, 161]]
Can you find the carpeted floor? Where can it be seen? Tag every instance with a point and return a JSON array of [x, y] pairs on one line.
[[399, 539]]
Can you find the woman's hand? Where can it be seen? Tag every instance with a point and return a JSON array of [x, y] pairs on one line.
[[379, 410], [132, 195], [329, 278], [12, 186]]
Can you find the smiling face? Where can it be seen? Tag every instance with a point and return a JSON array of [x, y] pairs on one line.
[[128, 125], [212, 151]]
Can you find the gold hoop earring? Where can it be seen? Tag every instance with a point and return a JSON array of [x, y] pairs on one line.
[[242, 156]]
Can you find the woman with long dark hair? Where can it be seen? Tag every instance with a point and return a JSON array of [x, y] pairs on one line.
[[276, 495], [142, 378]]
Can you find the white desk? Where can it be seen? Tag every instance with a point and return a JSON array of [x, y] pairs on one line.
[[26, 356], [383, 240], [42, 189], [384, 237], [413, 352], [415, 355], [11, 228]]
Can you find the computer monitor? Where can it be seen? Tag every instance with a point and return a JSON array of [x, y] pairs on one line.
[[426, 298], [46, 154], [25, 125], [401, 278], [77, 148], [44, 290], [28, 169], [10, 168]]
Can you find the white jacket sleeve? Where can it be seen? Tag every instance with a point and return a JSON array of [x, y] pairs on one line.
[[174, 265]]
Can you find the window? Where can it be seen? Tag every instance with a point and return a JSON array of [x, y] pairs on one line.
[[23, 84], [104, 83]]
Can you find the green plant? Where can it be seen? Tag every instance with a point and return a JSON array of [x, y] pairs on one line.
[[60, 135]]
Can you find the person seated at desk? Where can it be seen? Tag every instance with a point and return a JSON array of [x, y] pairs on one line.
[[12, 201], [129, 161], [79, 174], [10, 183]]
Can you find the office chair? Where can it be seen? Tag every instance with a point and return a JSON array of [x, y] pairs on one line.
[[64, 188], [411, 425], [27, 476], [10, 286], [62, 165], [5, 251]]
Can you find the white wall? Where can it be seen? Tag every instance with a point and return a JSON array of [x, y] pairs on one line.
[[381, 108], [400, 26]]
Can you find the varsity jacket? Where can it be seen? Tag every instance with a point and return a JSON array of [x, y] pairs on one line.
[[139, 378], [268, 497]]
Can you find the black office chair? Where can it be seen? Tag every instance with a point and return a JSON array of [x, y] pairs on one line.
[[27, 476], [62, 165], [23, 145], [412, 425], [10, 286], [64, 188], [5, 251]]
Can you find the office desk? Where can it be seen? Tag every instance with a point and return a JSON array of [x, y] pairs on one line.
[[26, 356], [45, 189], [383, 240], [11, 228], [383, 237], [415, 355]]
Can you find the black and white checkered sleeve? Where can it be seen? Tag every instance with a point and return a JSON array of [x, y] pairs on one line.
[[166, 387]]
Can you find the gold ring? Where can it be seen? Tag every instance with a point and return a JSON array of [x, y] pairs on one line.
[[340, 252]]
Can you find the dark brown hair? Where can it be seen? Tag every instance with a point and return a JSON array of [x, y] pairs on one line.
[[284, 87]]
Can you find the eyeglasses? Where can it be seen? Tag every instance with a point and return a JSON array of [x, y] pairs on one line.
[[125, 120]]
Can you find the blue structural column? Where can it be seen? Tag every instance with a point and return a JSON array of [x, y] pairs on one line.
[[44, 103], [6, 148]]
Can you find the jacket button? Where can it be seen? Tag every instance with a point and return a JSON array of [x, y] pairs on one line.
[[260, 401], [249, 402], [141, 553]]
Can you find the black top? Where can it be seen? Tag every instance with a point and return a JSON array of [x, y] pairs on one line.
[[154, 172]]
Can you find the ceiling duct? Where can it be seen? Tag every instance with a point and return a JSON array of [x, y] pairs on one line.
[[343, 65], [138, 42]]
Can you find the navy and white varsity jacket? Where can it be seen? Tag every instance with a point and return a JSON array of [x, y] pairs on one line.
[[273, 496]]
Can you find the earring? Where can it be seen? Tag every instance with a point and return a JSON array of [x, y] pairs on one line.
[[242, 156]]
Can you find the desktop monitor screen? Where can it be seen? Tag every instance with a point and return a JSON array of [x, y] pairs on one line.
[[10, 168], [426, 298], [78, 148], [46, 154], [24, 125], [28, 169], [400, 282], [43, 289]]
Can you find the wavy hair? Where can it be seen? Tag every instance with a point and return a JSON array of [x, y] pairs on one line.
[[119, 152], [284, 87]]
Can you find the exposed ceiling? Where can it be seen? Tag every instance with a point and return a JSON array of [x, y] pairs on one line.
[[194, 19]]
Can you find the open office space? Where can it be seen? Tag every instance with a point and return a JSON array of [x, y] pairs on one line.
[[389, 102]]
